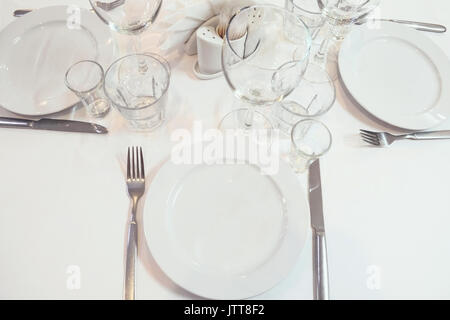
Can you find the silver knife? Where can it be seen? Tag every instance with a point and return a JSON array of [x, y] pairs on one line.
[[421, 26], [53, 124], [319, 246]]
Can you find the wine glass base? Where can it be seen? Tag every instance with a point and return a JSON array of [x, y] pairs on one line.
[[237, 120]]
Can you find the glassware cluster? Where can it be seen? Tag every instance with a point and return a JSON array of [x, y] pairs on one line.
[[273, 58]]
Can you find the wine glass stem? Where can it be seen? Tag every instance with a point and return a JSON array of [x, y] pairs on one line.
[[321, 54], [136, 43], [249, 117], [137, 49]]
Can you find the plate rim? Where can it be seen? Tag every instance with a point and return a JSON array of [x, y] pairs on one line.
[[153, 223], [105, 57], [426, 120]]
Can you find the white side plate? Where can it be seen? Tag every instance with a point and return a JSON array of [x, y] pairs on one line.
[[398, 75], [38, 48], [225, 231]]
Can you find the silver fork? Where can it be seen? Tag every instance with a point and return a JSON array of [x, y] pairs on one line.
[[384, 139], [136, 188]]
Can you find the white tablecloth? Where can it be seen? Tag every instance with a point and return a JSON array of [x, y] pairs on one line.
[[63, 202]]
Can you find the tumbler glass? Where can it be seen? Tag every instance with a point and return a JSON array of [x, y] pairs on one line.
[[314, 97], [139, 94], [85, 78]]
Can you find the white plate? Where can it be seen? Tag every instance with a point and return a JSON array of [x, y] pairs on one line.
[[36, 51], [225, 231], [398, 75]]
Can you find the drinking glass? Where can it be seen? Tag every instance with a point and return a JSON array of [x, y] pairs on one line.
[[262, 70], [310, 139], [311, 14], [85, 78], [140, 96], [314, 97], [130, 17], [339, 16]]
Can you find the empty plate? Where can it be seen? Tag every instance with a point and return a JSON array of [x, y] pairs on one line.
[[225, 231], [398, 75], [37, 50]]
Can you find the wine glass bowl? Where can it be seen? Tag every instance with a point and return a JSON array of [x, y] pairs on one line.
[[263, 71], [125, 16], [344, 13], [259, 67], [347, 10]]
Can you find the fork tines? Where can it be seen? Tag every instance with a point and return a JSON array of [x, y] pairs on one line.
[[370, 137], [135, 164]]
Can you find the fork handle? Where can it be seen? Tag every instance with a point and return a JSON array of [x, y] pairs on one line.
[[431, 135], [130, 268]]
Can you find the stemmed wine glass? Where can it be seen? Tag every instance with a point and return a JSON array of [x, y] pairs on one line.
[[258, 63], [130, 17], [339, 16]]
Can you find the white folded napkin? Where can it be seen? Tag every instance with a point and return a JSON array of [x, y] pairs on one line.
[[181, 18]]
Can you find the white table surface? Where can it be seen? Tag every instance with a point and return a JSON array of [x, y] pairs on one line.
[[63, 200]]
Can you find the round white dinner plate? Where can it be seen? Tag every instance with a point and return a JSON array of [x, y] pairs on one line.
[[397, 74], [36, 51], [225, 231]]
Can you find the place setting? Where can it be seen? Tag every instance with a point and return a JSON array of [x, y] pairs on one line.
[[226, 216], [76, 62], [203, 227]]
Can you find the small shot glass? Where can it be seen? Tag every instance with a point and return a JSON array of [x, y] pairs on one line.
[[85, 78], [310, 139], [137, 86]]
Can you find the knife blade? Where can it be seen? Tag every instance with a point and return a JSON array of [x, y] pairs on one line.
[[53, 124], [320, 263]]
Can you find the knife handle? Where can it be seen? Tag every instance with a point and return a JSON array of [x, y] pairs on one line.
[[21, 12], [422, 26], [320, 266], [15, 123]]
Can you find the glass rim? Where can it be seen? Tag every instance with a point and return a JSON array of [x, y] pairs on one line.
[[303, 9], [363, 9], [102, 78], [320, 123], [130, 31], [227, 41], [162, 61]]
